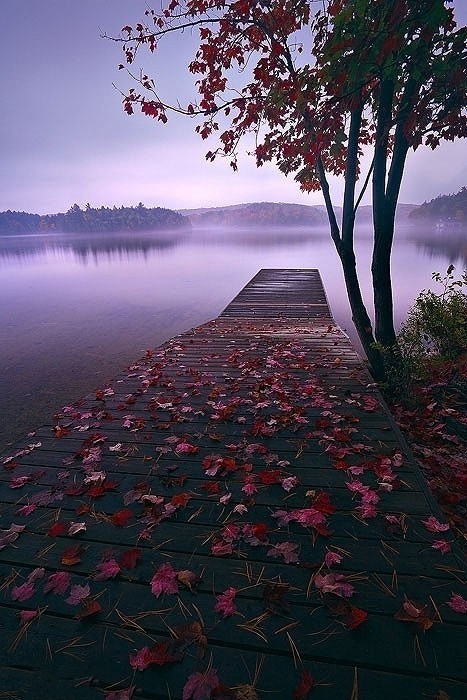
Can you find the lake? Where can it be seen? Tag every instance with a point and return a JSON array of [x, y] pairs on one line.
[[76, 308]]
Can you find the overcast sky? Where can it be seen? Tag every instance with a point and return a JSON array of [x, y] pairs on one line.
[[64, 137]]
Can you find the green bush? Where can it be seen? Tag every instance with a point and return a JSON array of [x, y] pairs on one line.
[[436, 325]]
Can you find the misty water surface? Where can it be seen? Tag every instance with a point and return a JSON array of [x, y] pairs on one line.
[[77, 309]]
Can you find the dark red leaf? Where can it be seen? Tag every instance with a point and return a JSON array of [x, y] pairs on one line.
[[302, 690], [57, 528], [121, 517], [130, 558]]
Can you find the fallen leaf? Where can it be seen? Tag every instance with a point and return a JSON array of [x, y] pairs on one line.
[[302, 691], [164, 580], [78, 594], [89, 608], [199, 686], [121, 517], [130, 558], [72, 555], [26, 616], [225, 602], [458, 603], [11, 535], [180, 500], [58, 583], [76, 527], [57, 528], [106, 570], [188, 579], [434, 525]]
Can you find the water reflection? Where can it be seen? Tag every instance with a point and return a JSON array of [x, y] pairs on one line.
[[108, 247], [452, 244], [86, 248]]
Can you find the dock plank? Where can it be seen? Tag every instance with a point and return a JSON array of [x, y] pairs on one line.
[[255, 453]]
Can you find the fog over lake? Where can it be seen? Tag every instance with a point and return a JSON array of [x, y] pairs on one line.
[[77, 308]]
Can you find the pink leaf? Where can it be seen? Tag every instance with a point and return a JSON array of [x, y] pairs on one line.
[[26, 616], [58, 583], [334, 583], [200, 685], [225, 602], [78, 594], [458, 603], [309, 517], [287, 550], [332, 558], [23, 592], [185, 448], [106, 569], [27, 589], [443, 546], [164, 580], [433, 524], [141, 660], [289, 483], [220, 549]]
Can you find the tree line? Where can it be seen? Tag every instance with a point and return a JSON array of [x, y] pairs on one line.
[[447, 208], [89, 219]]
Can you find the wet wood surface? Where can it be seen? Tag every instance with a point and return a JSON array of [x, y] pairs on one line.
[[233, 516]]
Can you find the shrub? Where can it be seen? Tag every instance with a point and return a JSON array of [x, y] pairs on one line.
[[436, 325]]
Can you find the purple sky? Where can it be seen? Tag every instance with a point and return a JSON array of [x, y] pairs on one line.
[[64, 137]]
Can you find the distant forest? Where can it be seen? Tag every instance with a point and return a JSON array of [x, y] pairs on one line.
[[88, 220], [446, 208]]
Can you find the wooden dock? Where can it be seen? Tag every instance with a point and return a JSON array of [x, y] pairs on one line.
[[236, 517]]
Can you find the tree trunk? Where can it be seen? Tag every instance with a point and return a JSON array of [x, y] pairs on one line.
[[382, 284], [383, 223], [359, 314]]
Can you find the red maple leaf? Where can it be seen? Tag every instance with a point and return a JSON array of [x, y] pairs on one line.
[[121, 517], [271, 476], [355, 617], [130, 558], [57, 528], [323, 504], [303, 688], [180, 499], [212, 487]]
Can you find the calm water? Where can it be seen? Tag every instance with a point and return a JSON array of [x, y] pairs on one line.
[[77, 309]]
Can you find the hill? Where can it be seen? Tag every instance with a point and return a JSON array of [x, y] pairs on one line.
[[447, 209], [92, 220], [277, 214]]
